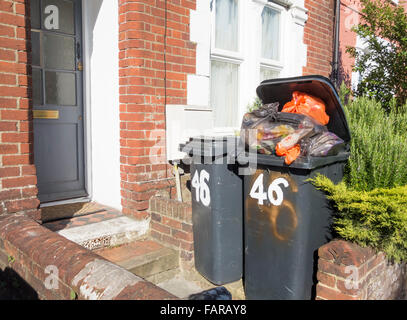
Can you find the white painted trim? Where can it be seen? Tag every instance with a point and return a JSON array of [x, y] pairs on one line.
[[86, 101], [101, 92]]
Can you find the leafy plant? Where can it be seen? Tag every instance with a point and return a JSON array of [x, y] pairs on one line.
[[344, 93], [383, 65], [73, 295], [376, 218], [378, 146], [256, 104]]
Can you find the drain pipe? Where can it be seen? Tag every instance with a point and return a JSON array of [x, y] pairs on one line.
[[335, 72]]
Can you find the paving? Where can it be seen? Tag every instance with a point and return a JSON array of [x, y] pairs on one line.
[[123, 241], [154, 262]]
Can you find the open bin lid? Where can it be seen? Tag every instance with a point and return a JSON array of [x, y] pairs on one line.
[[281, 90]]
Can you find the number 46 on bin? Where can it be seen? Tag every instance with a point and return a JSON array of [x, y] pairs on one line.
[[274, 193], [202, 192]]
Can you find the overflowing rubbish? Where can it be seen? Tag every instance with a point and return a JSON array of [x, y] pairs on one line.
[[308, 105], [322, 145], [299, 130]]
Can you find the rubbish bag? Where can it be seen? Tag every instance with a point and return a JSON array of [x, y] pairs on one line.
[[272, 126], [309, 105], [322, 144], [290, 146]]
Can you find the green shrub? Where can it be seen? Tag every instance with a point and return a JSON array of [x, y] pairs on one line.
[[378, 147], [376, 218], [383, 66], [256, 104]]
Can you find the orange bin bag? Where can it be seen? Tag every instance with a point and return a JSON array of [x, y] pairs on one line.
[[290, 154], [308, 105]]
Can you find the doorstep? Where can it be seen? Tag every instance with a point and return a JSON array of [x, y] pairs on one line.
[[101, 229]]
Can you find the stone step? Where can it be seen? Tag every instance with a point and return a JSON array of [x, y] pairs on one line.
[[106, 233], [146, 258]]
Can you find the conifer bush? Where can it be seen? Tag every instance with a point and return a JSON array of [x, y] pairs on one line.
[[376, 218], [371, 201]]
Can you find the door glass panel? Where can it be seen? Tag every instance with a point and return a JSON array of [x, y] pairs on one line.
[[267, 74], [227, 28], [37, 86], [270, 34], [59, 52], [224, 93], [58, 15], [35, 14], [60, 88], [35, 44]]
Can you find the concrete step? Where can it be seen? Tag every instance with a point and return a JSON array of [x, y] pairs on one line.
[[105, 233], [146, 258]]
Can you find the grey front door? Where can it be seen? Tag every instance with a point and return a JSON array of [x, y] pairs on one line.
[[57, 98]]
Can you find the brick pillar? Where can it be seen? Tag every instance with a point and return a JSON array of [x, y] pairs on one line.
[[319, 37], [18, 191], [347, 271], [155, 58]]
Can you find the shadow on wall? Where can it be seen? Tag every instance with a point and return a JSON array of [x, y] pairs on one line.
[[13, 287], [341, 75], [92, 16]]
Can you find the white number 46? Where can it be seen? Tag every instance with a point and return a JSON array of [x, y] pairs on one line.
[[202, 192], [274, 193]]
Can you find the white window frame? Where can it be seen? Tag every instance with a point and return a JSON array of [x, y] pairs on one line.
[[226, 55], [245, 57], [274, 65]]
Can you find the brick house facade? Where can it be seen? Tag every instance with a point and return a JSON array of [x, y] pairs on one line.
[[156, 57], [146, 66]]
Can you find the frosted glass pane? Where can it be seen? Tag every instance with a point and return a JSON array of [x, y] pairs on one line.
[[65, 12], [59, 51], [270, 34], [224, 93], [227, 30], [266, 74], [60, 88]]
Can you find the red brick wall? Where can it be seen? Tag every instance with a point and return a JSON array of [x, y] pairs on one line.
[[155, 58], [347, 271], [171, 224], [319, 36], [18, 180], [350, 17], [44, 258]]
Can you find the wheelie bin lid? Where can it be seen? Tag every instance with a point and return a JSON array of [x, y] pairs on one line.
[[210, 146], [281, 90]]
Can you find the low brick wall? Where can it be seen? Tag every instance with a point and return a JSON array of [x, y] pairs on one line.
[[347, 271], [57, 268], [171, 224]]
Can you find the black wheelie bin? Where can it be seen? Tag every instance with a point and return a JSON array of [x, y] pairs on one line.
[[217, 207], [286, 219]]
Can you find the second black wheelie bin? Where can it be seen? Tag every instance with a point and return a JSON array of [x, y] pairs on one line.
[[286, 219], [217, 215]]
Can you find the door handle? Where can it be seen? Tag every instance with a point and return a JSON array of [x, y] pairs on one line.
[[78, 51]]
